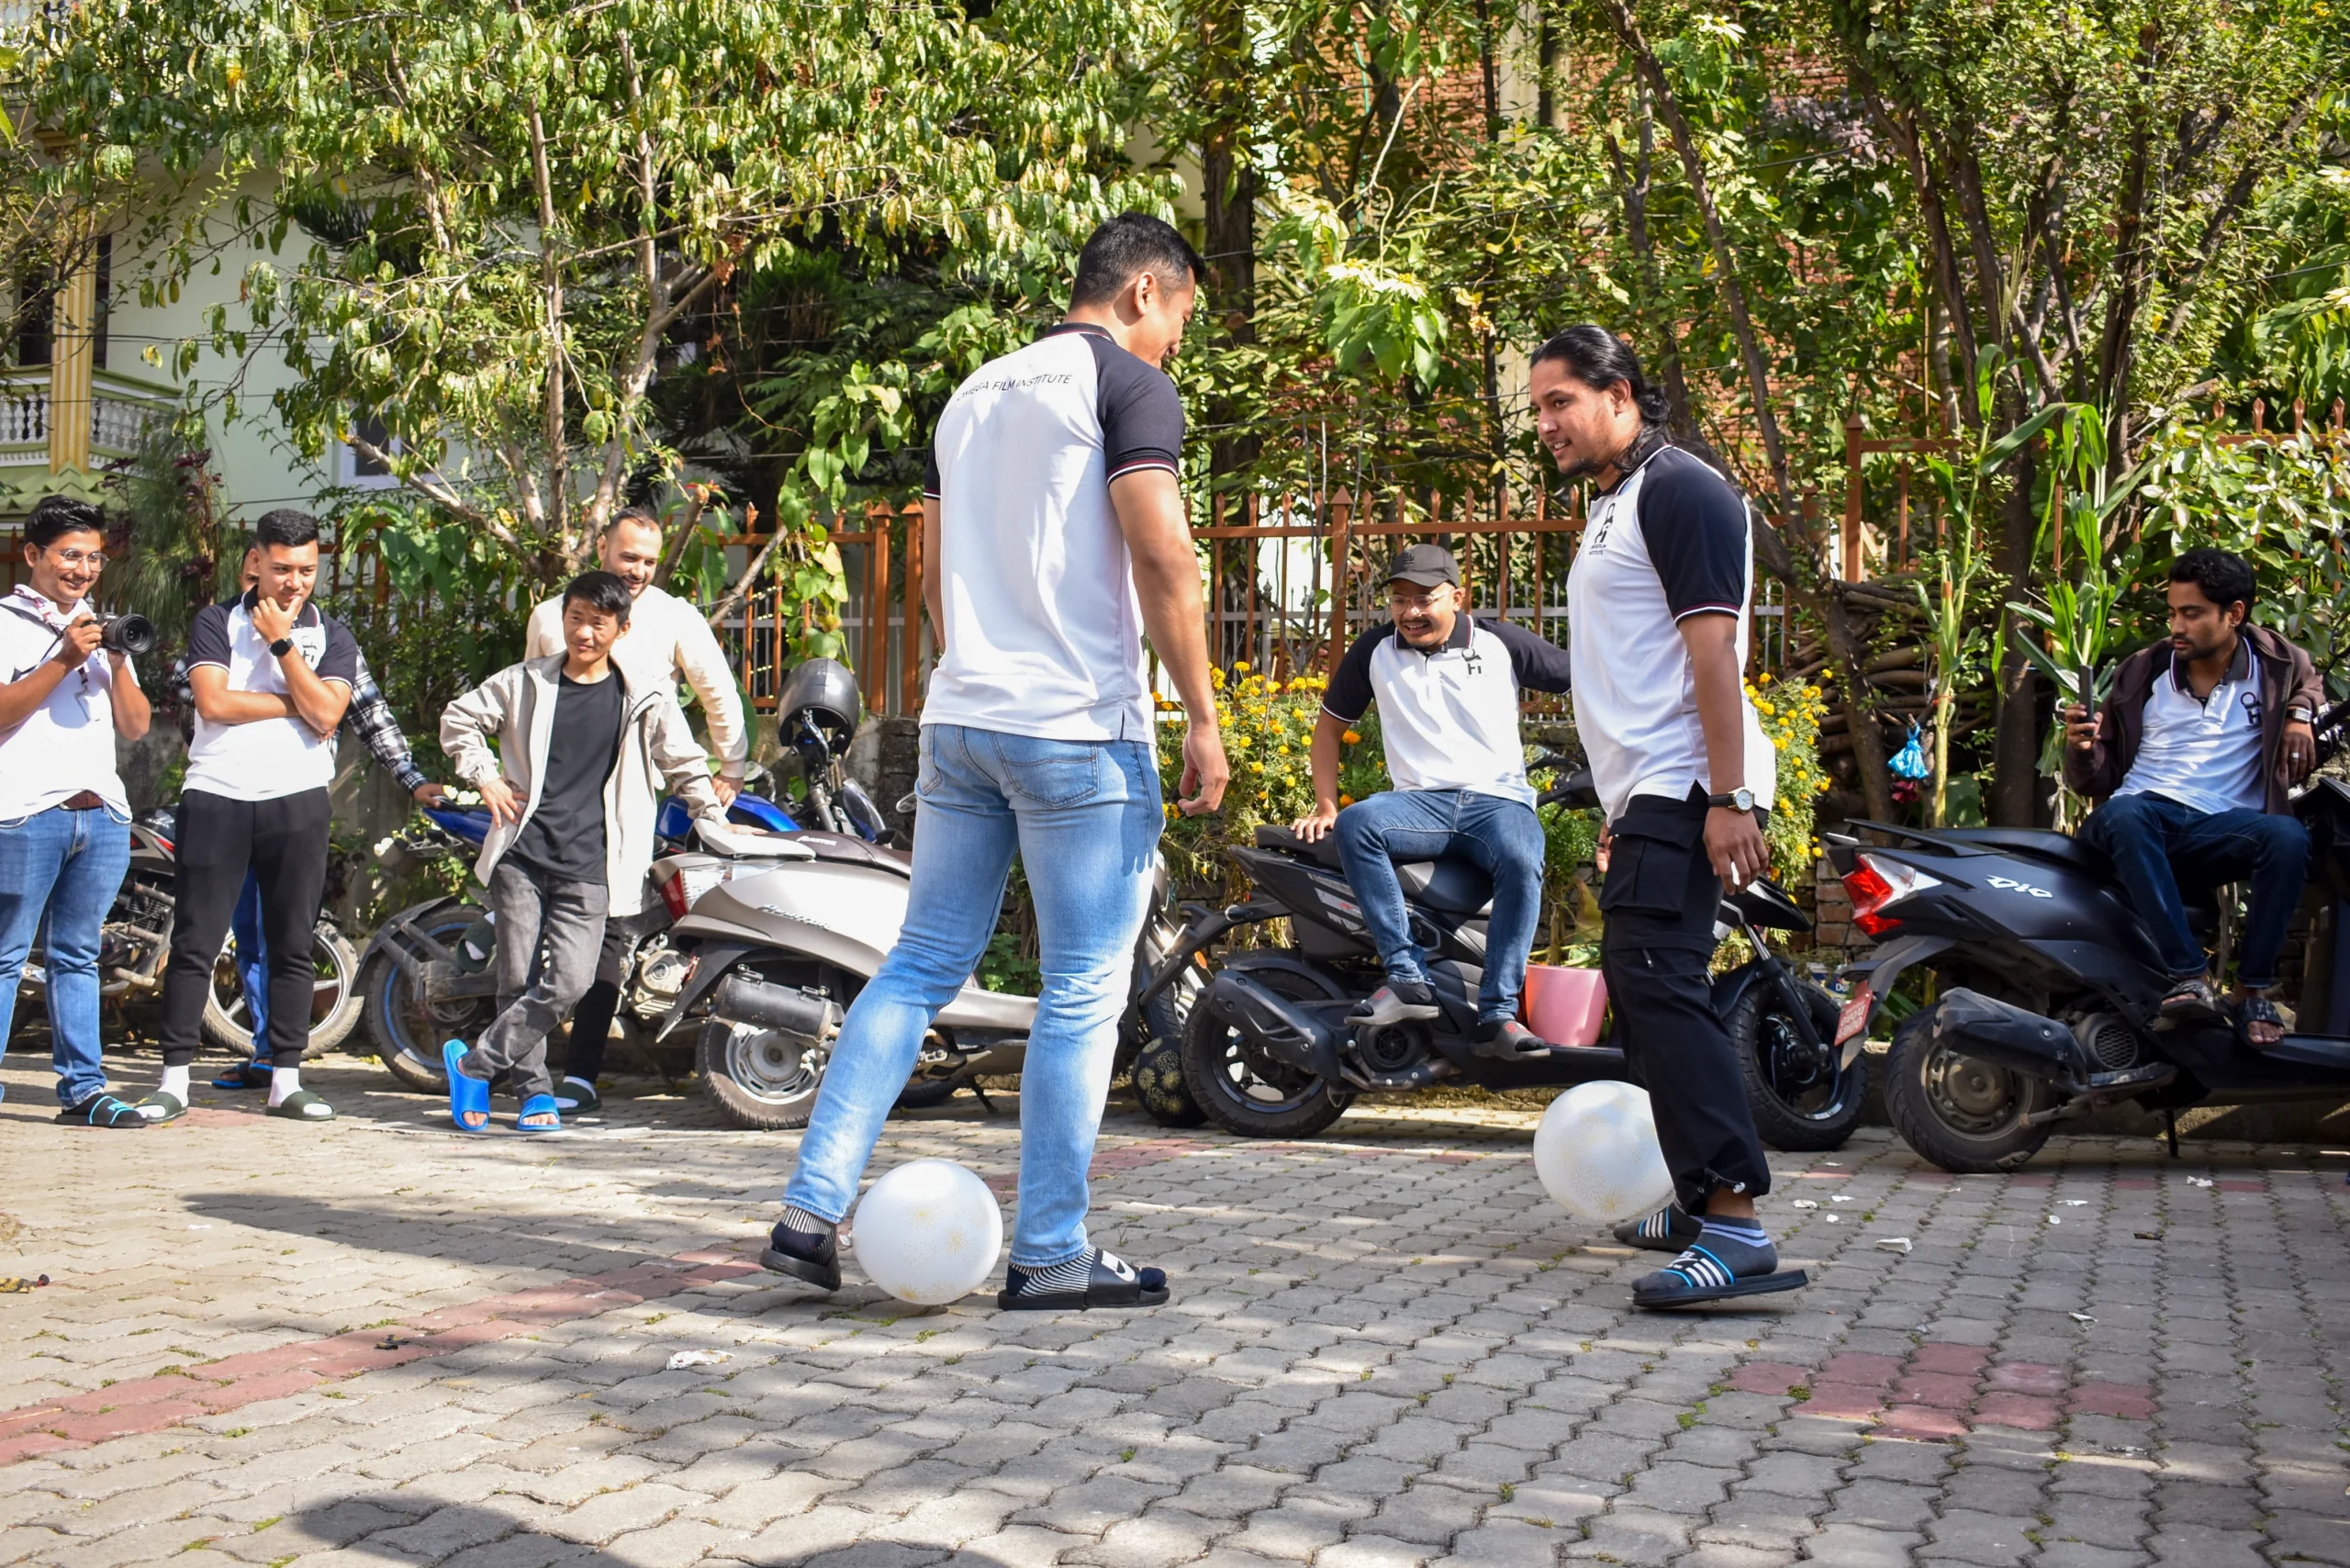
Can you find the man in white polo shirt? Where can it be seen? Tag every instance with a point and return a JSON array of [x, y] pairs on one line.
[[271, 675], [2194, 756], [667, 640], [1657, 604], [64, 817], [1447, 687], [1054, 518]]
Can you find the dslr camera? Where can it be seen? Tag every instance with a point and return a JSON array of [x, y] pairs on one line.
[[130, 634]]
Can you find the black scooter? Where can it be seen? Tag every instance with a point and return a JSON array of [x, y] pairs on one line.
[[1268, 1051], [2044, 987]]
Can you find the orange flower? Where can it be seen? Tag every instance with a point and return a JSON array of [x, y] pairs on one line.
[[1352, 737]]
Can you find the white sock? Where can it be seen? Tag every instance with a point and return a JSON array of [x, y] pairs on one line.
[[284, 1083], [174, 1083]]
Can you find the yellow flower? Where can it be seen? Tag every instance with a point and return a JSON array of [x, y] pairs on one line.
[[1240, 666], [1256, 767], [1352, 737], [1781, 743]]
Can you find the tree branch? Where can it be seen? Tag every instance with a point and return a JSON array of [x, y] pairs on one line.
[[2240, 189]]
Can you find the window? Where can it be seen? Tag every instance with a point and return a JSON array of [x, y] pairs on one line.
[[358, 468]]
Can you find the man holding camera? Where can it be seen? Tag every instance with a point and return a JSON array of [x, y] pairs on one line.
[[271, 676], [64, 816]]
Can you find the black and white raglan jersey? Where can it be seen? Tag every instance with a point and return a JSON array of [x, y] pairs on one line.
[[1044, 632], [1670, 540], [1448, 715], [268, 757]]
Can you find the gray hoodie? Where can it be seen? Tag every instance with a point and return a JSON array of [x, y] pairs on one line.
[[516, 708]]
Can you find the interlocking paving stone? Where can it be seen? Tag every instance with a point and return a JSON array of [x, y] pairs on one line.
[[1387, 1351]]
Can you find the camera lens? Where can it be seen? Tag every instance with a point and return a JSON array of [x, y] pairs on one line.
[[132, 634]]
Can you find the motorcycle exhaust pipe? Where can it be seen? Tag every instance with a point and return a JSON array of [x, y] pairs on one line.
[[1420, 1075], [763, 1005], [1287, 1030], [2006, 1035]]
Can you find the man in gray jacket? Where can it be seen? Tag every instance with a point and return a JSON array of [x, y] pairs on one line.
[[572, 788]]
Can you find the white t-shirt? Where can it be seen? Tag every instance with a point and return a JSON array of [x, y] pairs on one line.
[[1670, 540], [267, 758], [1448, 717], [66, 745], [1044, 632], [2205, 754]]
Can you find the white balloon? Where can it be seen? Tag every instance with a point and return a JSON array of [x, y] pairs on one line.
[[1597, 1155], [928, 1232]]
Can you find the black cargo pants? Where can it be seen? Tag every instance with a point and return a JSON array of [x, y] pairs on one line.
[[1660, 898]]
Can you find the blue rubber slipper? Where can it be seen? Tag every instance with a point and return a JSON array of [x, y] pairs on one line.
[[468, 1097], [245, 1075], [538, 1105]]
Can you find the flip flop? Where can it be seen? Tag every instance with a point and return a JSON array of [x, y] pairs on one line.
[[1677, 1292], [468, 1097], [538, 1105], [303, 1106], [102, 1111], [168, 1108], [2257, 1009], [245, 1075], [1111, 1283]]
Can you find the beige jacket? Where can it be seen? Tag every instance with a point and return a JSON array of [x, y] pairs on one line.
[[666, 641], [515, 708]]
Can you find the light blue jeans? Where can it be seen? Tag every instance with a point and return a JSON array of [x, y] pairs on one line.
[[1084, 817], [67, 865]]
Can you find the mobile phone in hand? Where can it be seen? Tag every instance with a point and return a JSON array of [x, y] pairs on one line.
[[2085, 678]]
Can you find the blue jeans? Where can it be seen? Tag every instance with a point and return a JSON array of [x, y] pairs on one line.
[[1085, 818], [252, 962], [1501, 837], [69, 865], [2158, 846]]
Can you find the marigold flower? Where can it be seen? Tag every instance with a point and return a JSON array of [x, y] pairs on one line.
[[1352, 737], [1345, 798]]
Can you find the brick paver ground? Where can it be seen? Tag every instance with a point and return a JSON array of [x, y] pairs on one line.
[[379, 1343]]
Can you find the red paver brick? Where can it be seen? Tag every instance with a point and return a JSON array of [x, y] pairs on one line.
[[253, 1390], [2127, 1401], [1920, 1421], [152, 1417], [2027, 1377], [1944, 1391], [2138, 1184], [1938, 1357], [1767, 1377], [32, 1418], [2026, 1412], [1868, 1372], [30, 1445], [1843, 1400]]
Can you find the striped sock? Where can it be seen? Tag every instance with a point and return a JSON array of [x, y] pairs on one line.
[[1660, 1225], [806, 1224], [1726, 1251]]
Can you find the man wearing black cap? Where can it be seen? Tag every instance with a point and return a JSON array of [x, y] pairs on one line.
[[1447, 687]]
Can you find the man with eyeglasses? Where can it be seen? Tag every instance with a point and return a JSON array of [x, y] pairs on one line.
[[64, 815], [1447, 689]]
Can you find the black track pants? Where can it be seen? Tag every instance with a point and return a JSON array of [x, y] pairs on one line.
[[284, 842], [1659, 900]]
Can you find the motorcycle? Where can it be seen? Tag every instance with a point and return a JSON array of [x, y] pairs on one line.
[[136, 942], [1267, 1050], [2045, 987]]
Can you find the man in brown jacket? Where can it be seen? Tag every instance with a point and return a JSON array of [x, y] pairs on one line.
[[2192, 757]]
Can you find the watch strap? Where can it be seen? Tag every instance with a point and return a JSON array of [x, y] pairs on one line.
[[280, 648]]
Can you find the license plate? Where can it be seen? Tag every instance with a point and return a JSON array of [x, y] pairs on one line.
[[1854, 1017]]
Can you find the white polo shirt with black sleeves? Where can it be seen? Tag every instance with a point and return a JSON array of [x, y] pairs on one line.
[[1670, 540], [1447, 716], [1044, 631], [268, 758]]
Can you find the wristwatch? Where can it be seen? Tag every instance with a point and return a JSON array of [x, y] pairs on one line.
[[282, 646], [1740, 799]]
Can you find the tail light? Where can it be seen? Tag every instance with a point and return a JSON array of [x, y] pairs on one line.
[[673, 894], [685, 878], [1874, 882]]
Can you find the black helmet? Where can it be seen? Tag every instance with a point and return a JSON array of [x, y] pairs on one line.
[[824, 692]]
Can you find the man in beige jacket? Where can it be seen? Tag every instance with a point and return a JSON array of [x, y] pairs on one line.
[[666, 641], [573, 788]]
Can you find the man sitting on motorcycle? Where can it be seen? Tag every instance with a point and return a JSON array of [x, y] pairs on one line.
[[2192, 757], [1447, 687]]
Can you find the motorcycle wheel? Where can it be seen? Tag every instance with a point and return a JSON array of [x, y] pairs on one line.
[[760, 1077], [1799, 1104], [1960, 1114], [407, 1032], [335, 998], [1245, 1088]]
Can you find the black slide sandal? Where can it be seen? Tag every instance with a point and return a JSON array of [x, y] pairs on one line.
[[1105, 1286], [1678, 1295], [2258, 1010], [102, 1111]]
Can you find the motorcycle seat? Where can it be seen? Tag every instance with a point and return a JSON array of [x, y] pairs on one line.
[[840, 846], [1323, 852], [1453, 886], [2036, 842]]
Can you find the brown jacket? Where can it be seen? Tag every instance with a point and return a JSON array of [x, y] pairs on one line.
[[2289, 687]]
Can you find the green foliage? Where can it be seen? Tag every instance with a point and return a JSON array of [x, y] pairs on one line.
[[171, 552]]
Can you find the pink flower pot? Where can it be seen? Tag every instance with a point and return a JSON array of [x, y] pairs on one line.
[[1564, 1006]]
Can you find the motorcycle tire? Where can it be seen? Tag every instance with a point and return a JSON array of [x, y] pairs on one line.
[[1244, 1089], [1966, 1115], [1795, 1108], [755, 1079], [335, 1008], [407, 1033]]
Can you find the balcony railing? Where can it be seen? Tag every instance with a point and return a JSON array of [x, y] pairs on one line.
[[120, 408]]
